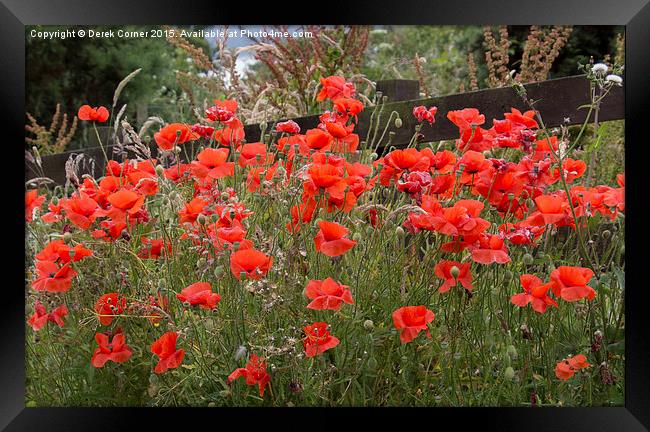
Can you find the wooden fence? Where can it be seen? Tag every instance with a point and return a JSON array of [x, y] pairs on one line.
[[557, 100]]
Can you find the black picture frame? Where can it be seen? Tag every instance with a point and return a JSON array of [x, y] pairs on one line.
[[634, 14]]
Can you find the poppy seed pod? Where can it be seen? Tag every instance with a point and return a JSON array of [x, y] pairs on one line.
[[368, 325], [528, 259]]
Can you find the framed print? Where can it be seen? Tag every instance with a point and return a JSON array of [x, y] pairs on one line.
[[414, 206]]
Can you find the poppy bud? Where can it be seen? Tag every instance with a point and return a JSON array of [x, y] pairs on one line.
[[400, 232], [55, 201], [528, 259], [211, 405], [373, 156], [512, 352], [201, 219], [225, 393], [606, 234], [368, 325], [455, 272], [160, 170], [457, 356], [356, 236], [398, 122], [218, 271], [444, 345], [509, 373], [201, 262], [372, 363], [67, 237]]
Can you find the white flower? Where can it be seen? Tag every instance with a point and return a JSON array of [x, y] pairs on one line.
[[599, 68], [614, 79]]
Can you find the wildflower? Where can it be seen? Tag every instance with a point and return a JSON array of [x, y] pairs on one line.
[[173, 134], [421, 113], [109, 305], [116, 351], [330, 239], [445, 270], [534, 293], [40, 317], [288, 126], [32, 201], [490, 249], [165, 349], [318, 339], [570, 283], [253, 263], [334, 87], [98, 114], [58, 251], [199, 293], [615, 79], [599, 68], [327, 294], [52, 278], [566, 368], [411, 320], [254, 373]]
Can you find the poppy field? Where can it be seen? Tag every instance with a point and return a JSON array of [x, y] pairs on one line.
[[322, 268]]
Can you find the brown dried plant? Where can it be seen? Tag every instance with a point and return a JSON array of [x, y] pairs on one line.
[[541, 49], [52, 139]]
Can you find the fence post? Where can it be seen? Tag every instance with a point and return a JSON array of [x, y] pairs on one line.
[[399, 89]]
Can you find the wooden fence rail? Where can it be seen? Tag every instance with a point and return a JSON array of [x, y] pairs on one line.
[[557, 100]]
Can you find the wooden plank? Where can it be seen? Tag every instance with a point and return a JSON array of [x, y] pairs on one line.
[[557, 100]]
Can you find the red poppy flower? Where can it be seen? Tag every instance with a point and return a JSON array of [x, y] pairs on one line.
[[535, 293], [570, 283], [335, 87], [81, 210], [330, 239], [165, 349], [490, 249], [32, 201], [571, 169], [154, 248], [411, 320], [254, 373], [54, 213], [327, 294], [252, 154], [348, 106], [40, 317], [86, 112], [464, 276], [116, 351], [318, 139], [192, 210], [288, 126], [199, 293], [174, 134], [253, 263], [126, 200], [58, 251], [568, 367], [213, 163], [318, 339], [466, 118], [109, 305], [52, 278], [421, 113]]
